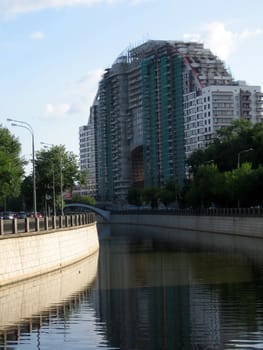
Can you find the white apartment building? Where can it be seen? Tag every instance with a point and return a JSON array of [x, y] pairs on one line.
[[88, 153], [214, 107]]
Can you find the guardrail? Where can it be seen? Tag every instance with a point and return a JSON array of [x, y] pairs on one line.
[[195, 212], [47, 223]]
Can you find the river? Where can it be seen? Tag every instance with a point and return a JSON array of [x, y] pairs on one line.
[[140, 294]]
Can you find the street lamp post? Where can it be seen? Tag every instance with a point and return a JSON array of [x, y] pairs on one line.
[[27, 126], [239, 153], [54, 191], [61, 181], [53, 180], [61, 188]]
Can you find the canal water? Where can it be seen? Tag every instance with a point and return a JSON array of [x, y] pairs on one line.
[[140, 294]]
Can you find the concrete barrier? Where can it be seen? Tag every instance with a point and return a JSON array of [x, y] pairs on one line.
[[27, 255], [251, 226], [242, 234]]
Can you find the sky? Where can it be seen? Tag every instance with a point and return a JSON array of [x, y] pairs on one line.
[[54, 52]]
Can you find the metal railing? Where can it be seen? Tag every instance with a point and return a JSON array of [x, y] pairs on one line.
[[47, 223], [257, 211]]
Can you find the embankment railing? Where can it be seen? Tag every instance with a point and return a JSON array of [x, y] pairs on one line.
[[257, 211], [47, 223]]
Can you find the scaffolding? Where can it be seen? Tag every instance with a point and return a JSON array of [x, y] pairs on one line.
[[149, 123], [145, 89], [164, 119], [179, 128]]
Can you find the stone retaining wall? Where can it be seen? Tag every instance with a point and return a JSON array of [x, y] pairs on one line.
[[236, 225], [26, 255]]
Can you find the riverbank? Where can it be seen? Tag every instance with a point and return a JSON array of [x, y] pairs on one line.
[[32, 254], [228, 233], [246, 226]]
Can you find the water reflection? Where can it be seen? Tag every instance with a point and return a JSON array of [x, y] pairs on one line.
[[157, 296], [28, 305], [143, 294]]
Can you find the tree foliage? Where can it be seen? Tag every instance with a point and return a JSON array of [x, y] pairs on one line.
[[170, 193], [82, 199], [56, 169], [239, 136], [204, 189], [11, 165], [228, 173], [150, 196], [135, 196], [235, 175], [153, 195]]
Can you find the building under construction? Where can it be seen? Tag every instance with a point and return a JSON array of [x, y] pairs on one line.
[[155, 105]]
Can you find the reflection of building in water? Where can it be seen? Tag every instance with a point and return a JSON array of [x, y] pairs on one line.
[[139, 303], [26, 306], [205, 320], [155, 300]]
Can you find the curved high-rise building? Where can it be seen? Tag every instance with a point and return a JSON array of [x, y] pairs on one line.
[[156, 104]]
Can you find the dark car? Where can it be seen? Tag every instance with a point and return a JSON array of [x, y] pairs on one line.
[[21, 215], [10, 215]]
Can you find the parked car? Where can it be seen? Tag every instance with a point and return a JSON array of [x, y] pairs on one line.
[[10, 215], [32, 215], [21, 215]]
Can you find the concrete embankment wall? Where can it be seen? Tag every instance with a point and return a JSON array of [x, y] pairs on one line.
[[27, 255], [238, 225], [224, 231]]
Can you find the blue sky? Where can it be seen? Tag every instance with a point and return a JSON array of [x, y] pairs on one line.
[[53, 52]]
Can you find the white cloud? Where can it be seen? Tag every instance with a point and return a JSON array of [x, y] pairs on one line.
[[11, 8], [246, 34], [221, 40], [88, 85], [192, 37], [138, 2], [37, 36], [81, 97], [58, 110], [92, 77]]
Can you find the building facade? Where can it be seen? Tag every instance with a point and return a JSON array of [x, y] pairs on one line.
[[88, 153], [215, 107], [158, 103]]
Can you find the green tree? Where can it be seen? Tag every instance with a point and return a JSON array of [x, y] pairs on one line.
[[166, 197], [11, 166], [195, 160], [204, 188], [56, 169], [134, 196], [255, 187], [237, 152], [170, 193], [151, 195], [83, 178], [76, 198], [27, 193], [257, 144], [238, 185], [240, 135]]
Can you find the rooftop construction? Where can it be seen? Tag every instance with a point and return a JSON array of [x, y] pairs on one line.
[[156, 104]]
